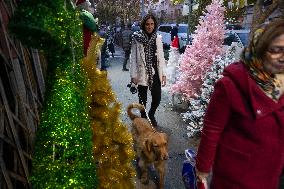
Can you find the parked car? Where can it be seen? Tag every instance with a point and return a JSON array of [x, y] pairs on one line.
[[240, 36], [165, 31], [182, 36], [233, 27]]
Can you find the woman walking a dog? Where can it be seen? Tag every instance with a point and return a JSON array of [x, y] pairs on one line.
[[147, 64], [243, 134]]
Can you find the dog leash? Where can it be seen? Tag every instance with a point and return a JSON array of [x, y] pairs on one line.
[[147, 117]]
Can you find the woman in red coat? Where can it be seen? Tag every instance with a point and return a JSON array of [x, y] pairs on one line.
[[243, 135]]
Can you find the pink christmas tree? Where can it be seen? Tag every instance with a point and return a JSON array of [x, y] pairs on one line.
[[198, 57]]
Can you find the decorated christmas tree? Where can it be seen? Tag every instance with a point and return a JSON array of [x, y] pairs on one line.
[[173, 62], [198, 57], [197, 106], [111, 139], [80, 143], [63, 156]]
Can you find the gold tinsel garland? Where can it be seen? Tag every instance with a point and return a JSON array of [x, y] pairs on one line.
[[111, 139]]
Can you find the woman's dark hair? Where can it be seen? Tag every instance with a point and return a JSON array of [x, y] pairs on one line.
[[271, 31], [144, 20]]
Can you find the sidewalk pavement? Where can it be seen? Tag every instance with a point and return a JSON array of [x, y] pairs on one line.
[[169, 121]]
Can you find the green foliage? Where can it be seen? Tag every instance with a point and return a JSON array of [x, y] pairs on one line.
[[126, 10], [45, 25], [195, 15], [177, 1], [49, 25], [63, 154], [230, 14], [233, 15], [63, 148]]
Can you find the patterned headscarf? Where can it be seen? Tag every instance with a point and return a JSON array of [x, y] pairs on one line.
[[267, 82], [149, 44]]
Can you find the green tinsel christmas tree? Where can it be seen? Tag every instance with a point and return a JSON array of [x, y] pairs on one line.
[[63, 148]]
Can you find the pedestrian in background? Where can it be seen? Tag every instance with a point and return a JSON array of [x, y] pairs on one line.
[[126, 44], [104, 53], [147, 64], [243, 131], [110, 40]]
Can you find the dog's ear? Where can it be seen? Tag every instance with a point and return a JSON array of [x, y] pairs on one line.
[[148, 144]]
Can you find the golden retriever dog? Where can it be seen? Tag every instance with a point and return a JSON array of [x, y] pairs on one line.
[[150, 145]]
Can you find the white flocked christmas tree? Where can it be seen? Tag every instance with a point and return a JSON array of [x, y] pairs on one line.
[[197, 106], [173, 63], [198, 57]]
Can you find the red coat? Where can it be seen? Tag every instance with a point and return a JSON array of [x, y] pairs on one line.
[[87, 36], [89, 27], [243, 134]]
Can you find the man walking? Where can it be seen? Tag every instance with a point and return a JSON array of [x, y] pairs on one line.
[[126, 45]]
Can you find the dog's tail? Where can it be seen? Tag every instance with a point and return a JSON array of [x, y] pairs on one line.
[[134, 105]]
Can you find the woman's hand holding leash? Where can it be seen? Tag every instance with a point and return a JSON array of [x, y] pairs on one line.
[[134, 80]]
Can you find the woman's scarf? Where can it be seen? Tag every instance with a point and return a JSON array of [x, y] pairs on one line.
[[267, 82], [149, 44]]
